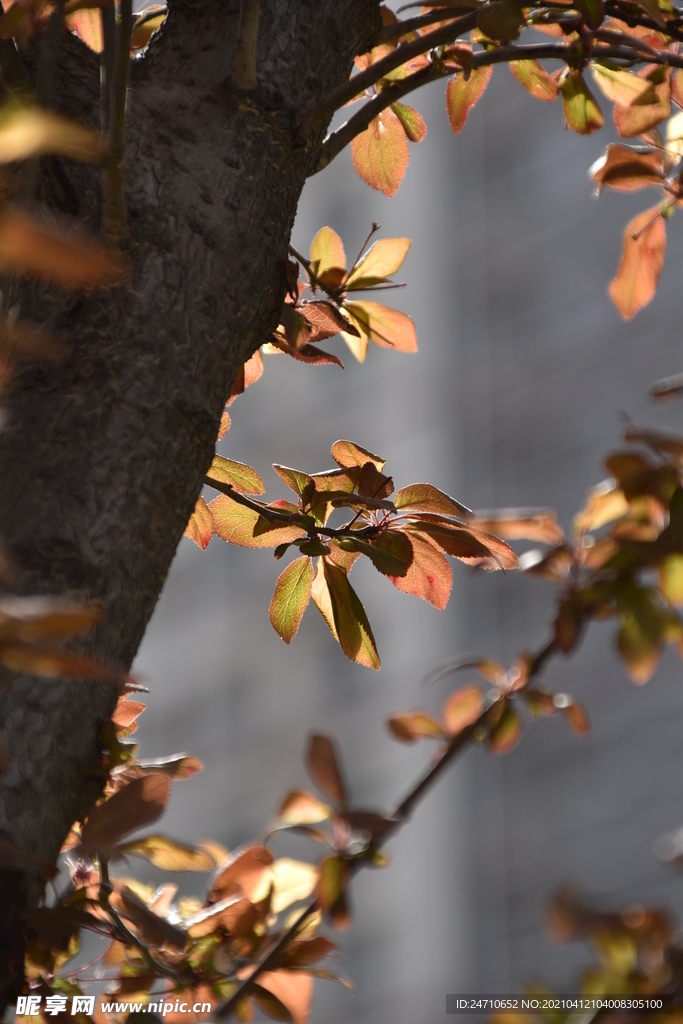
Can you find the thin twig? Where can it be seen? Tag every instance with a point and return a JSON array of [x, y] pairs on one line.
[[390, 32], [316, 116], [114, 192]]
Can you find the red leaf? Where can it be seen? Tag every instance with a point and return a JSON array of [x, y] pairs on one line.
[[323, 766], [140, 803], [429, 575], [200, 527], [626, 169], [242, 875]]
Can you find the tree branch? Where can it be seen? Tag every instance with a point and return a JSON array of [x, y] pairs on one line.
[[313, 118]]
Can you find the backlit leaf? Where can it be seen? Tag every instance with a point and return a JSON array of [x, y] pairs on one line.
[[462, 709], [380, 153], [291, 597], [626, 169], [461, 95], [387, 327], [577, 718], [474, 547], [225, 425], [535, 79], [641, 263], [243, 526], [521, 524], [37, 618], [409, 726], [381, 261], [293, 880], [429, 575], [235, 914], [644, 113], [351, 622], [294, 991], [320, 592], [347, 454], [177, 767], [200, 527], [294, 478], [391, 553], [322, 764], [29, 131], [242, 478], [148, 23], [153, 929], [326, 318], [243, 874], [327, 251], [308, 952], [87, 25], [332, 881], [126, 711], [506, 733], [248, 374], [306, 354], [412, 121], [581, 111], [168, 855], [140, 803], [358, 342], [65, 259], [623, 87], [427, 498], [671, 578], [301, 808], [639, 648], [603, 505]]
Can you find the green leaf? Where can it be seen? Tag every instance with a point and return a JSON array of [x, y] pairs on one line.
[[243, 478], [294, 478], [243, 526], [412, 121], [593, 12], [292, 594], [581, 111], [381, 260], [345, 615], [168, 855], [461, 95], [671, 578], [535, 79]]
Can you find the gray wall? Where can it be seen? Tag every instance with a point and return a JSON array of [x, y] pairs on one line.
[[514, 398]]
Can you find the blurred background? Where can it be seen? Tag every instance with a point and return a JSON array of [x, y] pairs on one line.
[[516, 395]]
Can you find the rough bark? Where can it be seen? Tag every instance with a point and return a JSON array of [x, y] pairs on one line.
[[104, 452]]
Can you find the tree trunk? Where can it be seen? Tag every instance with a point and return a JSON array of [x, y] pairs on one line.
[[104, 452]]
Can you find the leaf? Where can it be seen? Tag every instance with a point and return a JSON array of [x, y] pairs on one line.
[[87, 25], [291, 597], [577, 718], [411, 121], [292, 880], [671, 578], [52, 662], [60, 258], [168, 855], [347, 454], [350, 621], [641, 263], [409, 726], [462, 95], [501, 20], [645, 112], [327, 251], [625, 169], [427, 498], [462, 709], [242, 526], [581, 111], [243, 874], [177, 767], [332, 881], [293, 989], [639, 648], [535, 79], [380, 153], [200, 527], [153, 929], [305, 354], [322, 764], [301, 808], [381, 261], [308, 952], [429, 575], [126, 711], [387, 327], [236, 914], [623, 87], [593, 12], [603, 505], [242, 478], [147, 24], [247, 375], [326, 318], [140, 803], [294, 478], [37, 618], [27, 132], [674, 139], [391, 553], [506, 733], [357, 342], [521, 524], [225, 425]]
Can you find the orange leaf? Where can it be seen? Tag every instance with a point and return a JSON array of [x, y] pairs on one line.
[[429, 575], [535, 79], [351, 626], [327, 251], [641, 263], [461, 95], [242, 875], [65, 259], [241, 477], [242, 526], [380, 262], [140, 803], [126, 711], [200, 527], [301, 808], [380, 153], [409, 726], [294, 989], [387, 327], [347, 454], [87, 25], [506, 733], [322, 764], [626, 169], [225, 425], [645, 112], [521, 524], [412, 121], [462, 709], [247, 375], [427, 498]]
